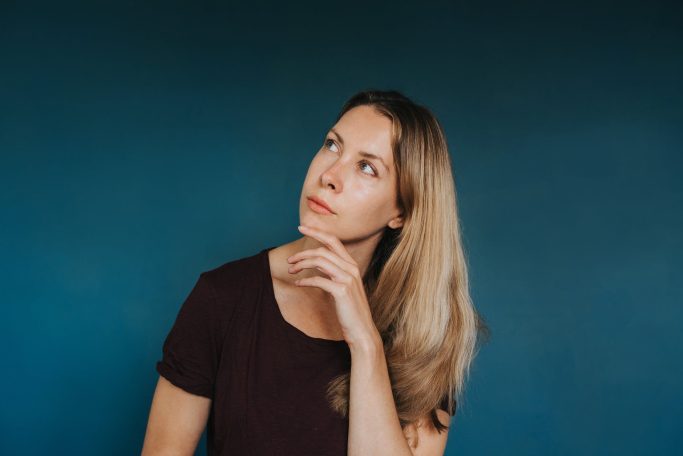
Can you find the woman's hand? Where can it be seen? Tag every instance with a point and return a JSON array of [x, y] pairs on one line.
[[344, 284]]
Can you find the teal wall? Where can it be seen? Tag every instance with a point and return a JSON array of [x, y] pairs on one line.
[[144, 142]]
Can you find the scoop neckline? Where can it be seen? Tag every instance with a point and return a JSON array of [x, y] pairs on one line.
[[265, 263]]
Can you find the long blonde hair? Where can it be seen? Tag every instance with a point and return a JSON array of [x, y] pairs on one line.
[[416, 283]]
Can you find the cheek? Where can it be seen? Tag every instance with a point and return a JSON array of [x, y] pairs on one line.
[[370, 199]]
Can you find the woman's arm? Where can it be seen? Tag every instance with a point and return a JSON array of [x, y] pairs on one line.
[[176, 421], [374, 427]]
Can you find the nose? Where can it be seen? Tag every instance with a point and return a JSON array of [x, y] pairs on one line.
[[332, 177]]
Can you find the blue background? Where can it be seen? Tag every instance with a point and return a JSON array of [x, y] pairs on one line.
[[144, 142]]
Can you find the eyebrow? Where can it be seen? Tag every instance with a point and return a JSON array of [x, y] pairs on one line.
[[362, 152]]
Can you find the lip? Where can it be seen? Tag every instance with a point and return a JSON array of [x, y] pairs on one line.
[[321, 206]]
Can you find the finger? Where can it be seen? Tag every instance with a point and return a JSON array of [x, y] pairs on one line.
[[319, 282], [323, 252], [322, 264], [330, 240]]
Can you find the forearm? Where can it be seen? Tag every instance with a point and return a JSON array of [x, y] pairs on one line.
[[374, 427]]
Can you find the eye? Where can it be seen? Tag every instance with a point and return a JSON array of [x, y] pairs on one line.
[[331, 142], [374, 173], [327, 141]]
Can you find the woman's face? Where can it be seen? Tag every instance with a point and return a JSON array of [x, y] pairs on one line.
[[358, 188]]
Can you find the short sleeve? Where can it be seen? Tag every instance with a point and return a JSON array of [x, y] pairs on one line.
[[444, 405], [191, 348]]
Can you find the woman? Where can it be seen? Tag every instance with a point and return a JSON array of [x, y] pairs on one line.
[[355, 338]]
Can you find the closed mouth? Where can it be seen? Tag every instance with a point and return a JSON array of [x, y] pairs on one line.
[[320, 203]]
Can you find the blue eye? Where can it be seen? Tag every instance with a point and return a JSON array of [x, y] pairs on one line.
[[374, 173], [369, 166], [328, 140]]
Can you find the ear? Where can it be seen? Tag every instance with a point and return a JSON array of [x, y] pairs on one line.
[[396, 222]]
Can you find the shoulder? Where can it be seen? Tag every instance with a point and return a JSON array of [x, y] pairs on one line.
[[235, 275], [220, 292]]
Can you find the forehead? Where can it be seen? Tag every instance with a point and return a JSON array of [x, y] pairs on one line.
[[364, 129]]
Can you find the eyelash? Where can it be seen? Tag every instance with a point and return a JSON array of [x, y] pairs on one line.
[[364, 161]]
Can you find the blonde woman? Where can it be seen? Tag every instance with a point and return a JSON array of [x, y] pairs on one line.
[[354, 339]]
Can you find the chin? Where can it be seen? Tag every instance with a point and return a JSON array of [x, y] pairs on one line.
[[313, 220], [319, 222]]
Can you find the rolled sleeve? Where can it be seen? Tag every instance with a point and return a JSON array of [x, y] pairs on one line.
[[190, 351]]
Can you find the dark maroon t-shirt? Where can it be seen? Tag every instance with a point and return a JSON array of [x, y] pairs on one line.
[[266, 378]]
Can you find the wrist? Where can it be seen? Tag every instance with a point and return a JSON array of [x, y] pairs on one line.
[[371, 344]]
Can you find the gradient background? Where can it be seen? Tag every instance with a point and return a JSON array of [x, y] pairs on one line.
[[144, 142]]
